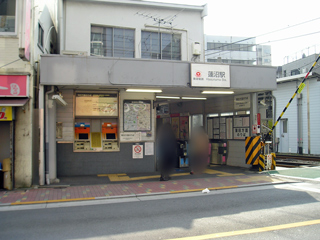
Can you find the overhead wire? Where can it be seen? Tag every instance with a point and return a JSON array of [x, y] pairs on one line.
[[10, 63], [252, 45], [281, 29]]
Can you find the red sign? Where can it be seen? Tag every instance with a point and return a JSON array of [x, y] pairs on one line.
[[198, 74], [13, 86], [258, 119], [137, 149]]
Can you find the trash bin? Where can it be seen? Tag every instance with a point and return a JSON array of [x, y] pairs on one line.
[[6, 168]]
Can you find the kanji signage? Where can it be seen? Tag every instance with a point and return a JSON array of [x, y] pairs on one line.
[[210, 75], [240, 133]]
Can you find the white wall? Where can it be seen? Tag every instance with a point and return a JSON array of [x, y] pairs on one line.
[[80, 16], [43, 14], [283, 94], [314, 88]]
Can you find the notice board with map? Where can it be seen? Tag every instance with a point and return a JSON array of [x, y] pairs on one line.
[[137, 115]]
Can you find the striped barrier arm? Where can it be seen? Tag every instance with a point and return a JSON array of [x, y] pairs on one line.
[[299, 90]]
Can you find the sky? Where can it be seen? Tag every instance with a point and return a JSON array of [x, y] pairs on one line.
[[251, 18]]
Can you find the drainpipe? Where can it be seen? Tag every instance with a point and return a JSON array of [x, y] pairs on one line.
[[61, 6], [308, 117], [274, 120], [299, 123], [41, 131], [47, 135]]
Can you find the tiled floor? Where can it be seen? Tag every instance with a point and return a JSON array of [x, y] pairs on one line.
[[71, 193]]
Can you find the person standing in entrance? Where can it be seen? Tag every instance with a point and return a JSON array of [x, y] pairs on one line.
[[199, 150], [167, 150]]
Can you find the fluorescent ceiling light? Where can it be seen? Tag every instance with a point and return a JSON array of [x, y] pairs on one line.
[[144, 90], [194, 98], [168, 97], [213, 115], [226, 114], [217, 92]]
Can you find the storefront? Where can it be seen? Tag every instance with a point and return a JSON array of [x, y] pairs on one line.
[[14, 93]]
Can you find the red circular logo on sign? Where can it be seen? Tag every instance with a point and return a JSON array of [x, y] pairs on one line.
[[137, 149], [198, 74]]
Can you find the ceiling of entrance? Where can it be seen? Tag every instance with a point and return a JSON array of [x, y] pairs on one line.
[[168, 91]]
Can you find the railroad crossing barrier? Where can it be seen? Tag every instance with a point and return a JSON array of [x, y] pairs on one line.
[[255, 157]]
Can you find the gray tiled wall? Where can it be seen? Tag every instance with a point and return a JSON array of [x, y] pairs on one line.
[[71, 163]]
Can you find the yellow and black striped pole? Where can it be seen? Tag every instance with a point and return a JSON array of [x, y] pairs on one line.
[[299, 90]]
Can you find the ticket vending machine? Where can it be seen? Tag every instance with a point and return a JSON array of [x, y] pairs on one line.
[[82, 136], [109, 136]]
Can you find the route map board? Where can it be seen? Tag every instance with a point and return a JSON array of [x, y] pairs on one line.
[[136, 115], [96, 104]]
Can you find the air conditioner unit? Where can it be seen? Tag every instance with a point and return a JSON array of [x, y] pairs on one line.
[[74, 53]]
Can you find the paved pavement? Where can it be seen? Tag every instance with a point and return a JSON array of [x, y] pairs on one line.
[[130, 185], [301, 173]]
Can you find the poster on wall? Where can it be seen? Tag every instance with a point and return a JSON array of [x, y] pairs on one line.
[[130, 137], [137, 115], [210, 128], [137, 151], [238, 122], [149, 148], [96, 104], [246, 121], [175, 126], [229, 128], [216, 123], [184, 128]]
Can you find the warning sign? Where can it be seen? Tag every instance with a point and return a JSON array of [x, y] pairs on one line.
[[254, 129], [137, 151]]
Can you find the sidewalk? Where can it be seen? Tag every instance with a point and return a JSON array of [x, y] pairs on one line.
[[131, 185], [301, 173]]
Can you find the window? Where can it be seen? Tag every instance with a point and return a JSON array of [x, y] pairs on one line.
[[155, 45], [7, 16], [295, 72], [112, 42], [210, 46], [40, 37]]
